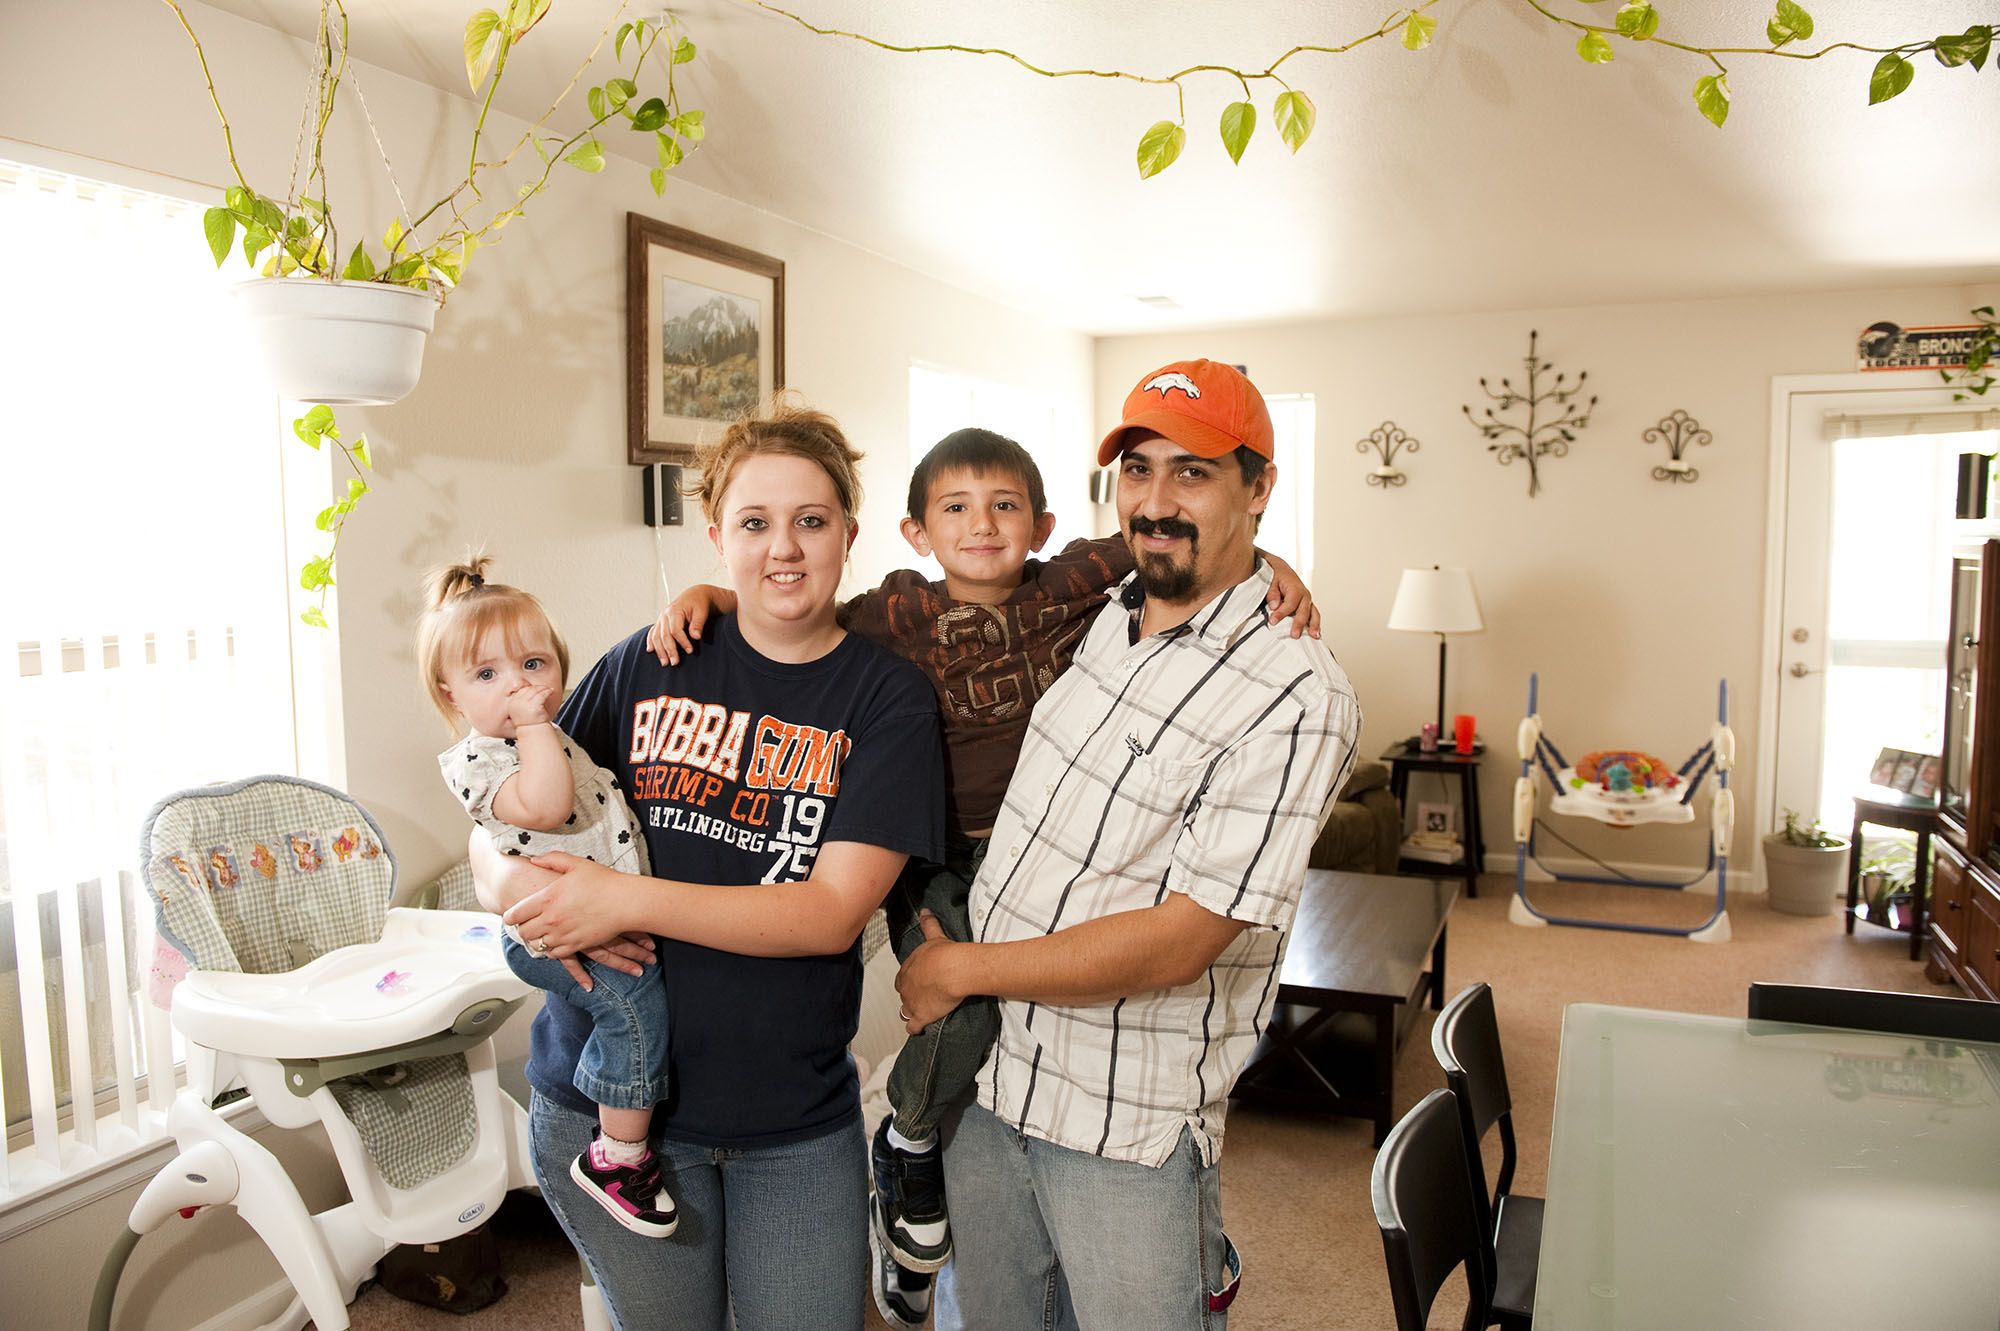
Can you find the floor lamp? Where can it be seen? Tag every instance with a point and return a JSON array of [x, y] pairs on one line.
[[1436, 600]]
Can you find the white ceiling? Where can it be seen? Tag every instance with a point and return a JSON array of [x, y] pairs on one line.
[[1494, 170]]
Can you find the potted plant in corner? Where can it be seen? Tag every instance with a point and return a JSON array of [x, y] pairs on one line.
[[1805, 867], [344, 324]]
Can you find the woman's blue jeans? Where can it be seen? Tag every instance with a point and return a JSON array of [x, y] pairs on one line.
[[778, 1234]]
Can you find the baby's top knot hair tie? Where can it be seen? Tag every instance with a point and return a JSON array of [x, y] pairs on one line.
[[478, 580]]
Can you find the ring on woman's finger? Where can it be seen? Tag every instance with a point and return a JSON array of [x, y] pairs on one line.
[[540, 947]]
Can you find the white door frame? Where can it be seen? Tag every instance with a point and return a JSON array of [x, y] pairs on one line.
[[1771, 650]]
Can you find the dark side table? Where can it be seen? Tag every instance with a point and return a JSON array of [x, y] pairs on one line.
[[1402, 761], [1891, 808]]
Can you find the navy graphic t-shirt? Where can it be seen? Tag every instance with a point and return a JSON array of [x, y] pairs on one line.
[[740, 768]]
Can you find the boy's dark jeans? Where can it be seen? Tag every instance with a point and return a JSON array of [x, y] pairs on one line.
[[937, 1067]]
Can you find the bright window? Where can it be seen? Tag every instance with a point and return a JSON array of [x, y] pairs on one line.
[[144, 630], [1888, 604], [1051, 431], [1287, 527]]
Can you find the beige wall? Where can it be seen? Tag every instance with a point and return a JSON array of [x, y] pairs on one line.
[[1630, 596], [515, 437]]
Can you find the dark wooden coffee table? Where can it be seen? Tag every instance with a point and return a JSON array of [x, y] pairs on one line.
[[1363, 951]]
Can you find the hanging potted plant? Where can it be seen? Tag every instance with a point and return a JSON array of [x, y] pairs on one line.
[[1804, 867], [345, 324]]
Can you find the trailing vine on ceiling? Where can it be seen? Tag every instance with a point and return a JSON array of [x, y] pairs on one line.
[[1787, 31]]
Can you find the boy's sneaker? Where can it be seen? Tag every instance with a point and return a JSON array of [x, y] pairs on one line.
[[631, 1193], [911, 1217], [903, 1297]]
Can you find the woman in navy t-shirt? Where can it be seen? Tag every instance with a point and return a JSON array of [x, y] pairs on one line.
[[782, 774]]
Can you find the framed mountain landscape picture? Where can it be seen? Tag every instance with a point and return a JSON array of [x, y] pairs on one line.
[[704, 337]]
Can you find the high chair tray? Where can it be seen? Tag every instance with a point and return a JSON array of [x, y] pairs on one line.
[[429, 966]]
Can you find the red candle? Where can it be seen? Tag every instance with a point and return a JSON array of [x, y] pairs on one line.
[[1461, 729]]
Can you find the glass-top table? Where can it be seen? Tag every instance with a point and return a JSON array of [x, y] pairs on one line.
[[1716, 1172]]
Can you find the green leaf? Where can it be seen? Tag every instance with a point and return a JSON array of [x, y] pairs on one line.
[[325, 518], [683, 51], [238, 199], [1239, 122], [587, 156], [359, 266], [1711, 95], [1789, 24], [620, 91], [267, 214], [1892, 75], [659, 179], [1159, 146], [219, 225], [316, 422], [316, 573], [1417, 31], [523, 15], [361, 453], [255, 241], [356, 487], [1969, 49], [483, 43], [393, 237], [313, 617], [595, 99], [670, 154], [403, 271], [1293, 114], [1594, 49], [650, 116], [317, 207], [688, 124], [618, 42], [1638, 19]]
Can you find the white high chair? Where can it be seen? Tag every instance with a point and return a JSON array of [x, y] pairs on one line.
[[327, 1006]]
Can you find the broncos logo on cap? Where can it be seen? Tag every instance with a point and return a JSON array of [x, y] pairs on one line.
[[1167, 382]]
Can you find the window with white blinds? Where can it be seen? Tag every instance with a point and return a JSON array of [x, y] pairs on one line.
[[144, 633]]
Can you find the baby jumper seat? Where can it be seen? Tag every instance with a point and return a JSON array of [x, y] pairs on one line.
[[326, 1005]]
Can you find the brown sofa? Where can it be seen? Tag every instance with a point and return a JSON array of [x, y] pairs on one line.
[[1364, 833]]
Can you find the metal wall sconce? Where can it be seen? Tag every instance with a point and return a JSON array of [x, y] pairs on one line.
[[1385, 441], [1677, 431], [1537, 439]]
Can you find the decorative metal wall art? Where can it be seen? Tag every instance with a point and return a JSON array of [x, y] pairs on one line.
[[1385, 441], [1677, 431], [1539, 438]]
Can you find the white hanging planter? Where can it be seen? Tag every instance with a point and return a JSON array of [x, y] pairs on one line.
[[340, 343]]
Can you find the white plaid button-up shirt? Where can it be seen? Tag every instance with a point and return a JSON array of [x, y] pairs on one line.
[[1201, 760]]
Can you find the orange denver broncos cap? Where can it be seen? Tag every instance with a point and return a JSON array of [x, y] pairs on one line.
[[1204, 406]]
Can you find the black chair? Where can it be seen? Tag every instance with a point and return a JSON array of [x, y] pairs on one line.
[[1931, 1016], [1424, 1206], [1466, 1040]]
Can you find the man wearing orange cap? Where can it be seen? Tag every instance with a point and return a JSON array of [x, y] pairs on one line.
[[1131, 912]]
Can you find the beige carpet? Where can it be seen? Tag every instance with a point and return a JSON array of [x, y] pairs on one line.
[[1295, 1189]]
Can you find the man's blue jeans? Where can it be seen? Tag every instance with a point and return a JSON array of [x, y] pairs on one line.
[[778, 1233], [1050, 1239]]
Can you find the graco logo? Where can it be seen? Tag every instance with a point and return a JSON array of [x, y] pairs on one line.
[[470, 1214]]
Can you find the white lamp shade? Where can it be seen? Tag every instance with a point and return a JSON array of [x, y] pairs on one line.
[[1436, 600]]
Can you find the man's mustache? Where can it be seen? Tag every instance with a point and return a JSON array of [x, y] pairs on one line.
[[1172, 528]]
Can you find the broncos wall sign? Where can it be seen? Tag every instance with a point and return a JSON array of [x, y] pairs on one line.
[[1887, 346]]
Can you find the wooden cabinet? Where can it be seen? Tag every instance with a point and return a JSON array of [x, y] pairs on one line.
[[1963, 924], [1951, 884]]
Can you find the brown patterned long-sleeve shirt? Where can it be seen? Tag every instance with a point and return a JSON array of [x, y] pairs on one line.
[[990, 664]]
